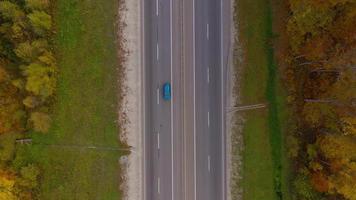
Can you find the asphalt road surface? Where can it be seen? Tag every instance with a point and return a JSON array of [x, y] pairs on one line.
[[186, 44]]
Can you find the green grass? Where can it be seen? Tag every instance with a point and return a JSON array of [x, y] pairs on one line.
[[257, 171], [85, 110], [265, 166]]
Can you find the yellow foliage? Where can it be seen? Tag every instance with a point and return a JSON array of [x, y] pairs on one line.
[[7, 183], [41, 121], [337, 147], [344, 181], [349, 125]]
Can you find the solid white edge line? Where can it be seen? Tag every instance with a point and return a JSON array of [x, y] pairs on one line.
[[222, 100], [172, 94], [194, 97], [158, 96], [143, 74]]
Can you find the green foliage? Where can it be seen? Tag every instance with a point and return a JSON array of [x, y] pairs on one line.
[[10, 11], [338, 147], [28, 52], [27, 83], [37, 4], [41, 22], [41, 121], [293, 144], [11, 113], [29, 176], [7, 146], [31, 102], [40, 80], [303, 188]]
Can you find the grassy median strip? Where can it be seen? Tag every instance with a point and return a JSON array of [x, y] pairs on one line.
[[264, 162], [86, 111]]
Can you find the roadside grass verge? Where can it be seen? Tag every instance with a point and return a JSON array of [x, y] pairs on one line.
[[85, 113], [265, 166]]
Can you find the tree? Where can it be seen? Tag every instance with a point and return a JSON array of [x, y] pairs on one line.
[[29, 176], [10, 11], [315, 113], [41, 22], [344, 90], [11, 113], [342, 151], [344, 29], [41, 121], [28, 52], [37, 4], [320, 182], [337, 147], [31, 102], [344, 181], [7, 183], [41, 79], [303, 188], [307, 19], [349, 125], [317, 48]]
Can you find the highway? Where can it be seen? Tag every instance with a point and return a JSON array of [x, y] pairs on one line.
[[184, 44]]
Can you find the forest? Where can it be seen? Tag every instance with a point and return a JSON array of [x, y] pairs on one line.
[[320, 76], [27, 88]]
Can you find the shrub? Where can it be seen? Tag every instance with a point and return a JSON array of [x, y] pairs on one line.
[[41, 121]]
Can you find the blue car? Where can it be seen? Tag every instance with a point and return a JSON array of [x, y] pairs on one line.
[[167, 91]]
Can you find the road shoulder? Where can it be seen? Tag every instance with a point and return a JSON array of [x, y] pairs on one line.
[[131, 111]]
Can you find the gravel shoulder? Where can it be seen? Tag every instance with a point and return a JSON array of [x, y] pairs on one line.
[[234, 121], [131, 111]]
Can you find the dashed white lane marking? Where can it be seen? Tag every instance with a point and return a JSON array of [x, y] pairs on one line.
[[158, 185], [207, 31], [158, 143], [157, 11], [208, 119], [158, 96], [157, 52], [208, 75], [209, 168]]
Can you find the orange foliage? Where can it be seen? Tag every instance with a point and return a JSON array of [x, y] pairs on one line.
[[317, 48], [319, 182]]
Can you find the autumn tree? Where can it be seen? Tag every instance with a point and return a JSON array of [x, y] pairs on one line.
[[41, 79], [29, 51], [7, 183], [349, 125], [10, 11], [29, 176], [11, 113], [41, 22], [41, 121], [37, 4], [307, 19]]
